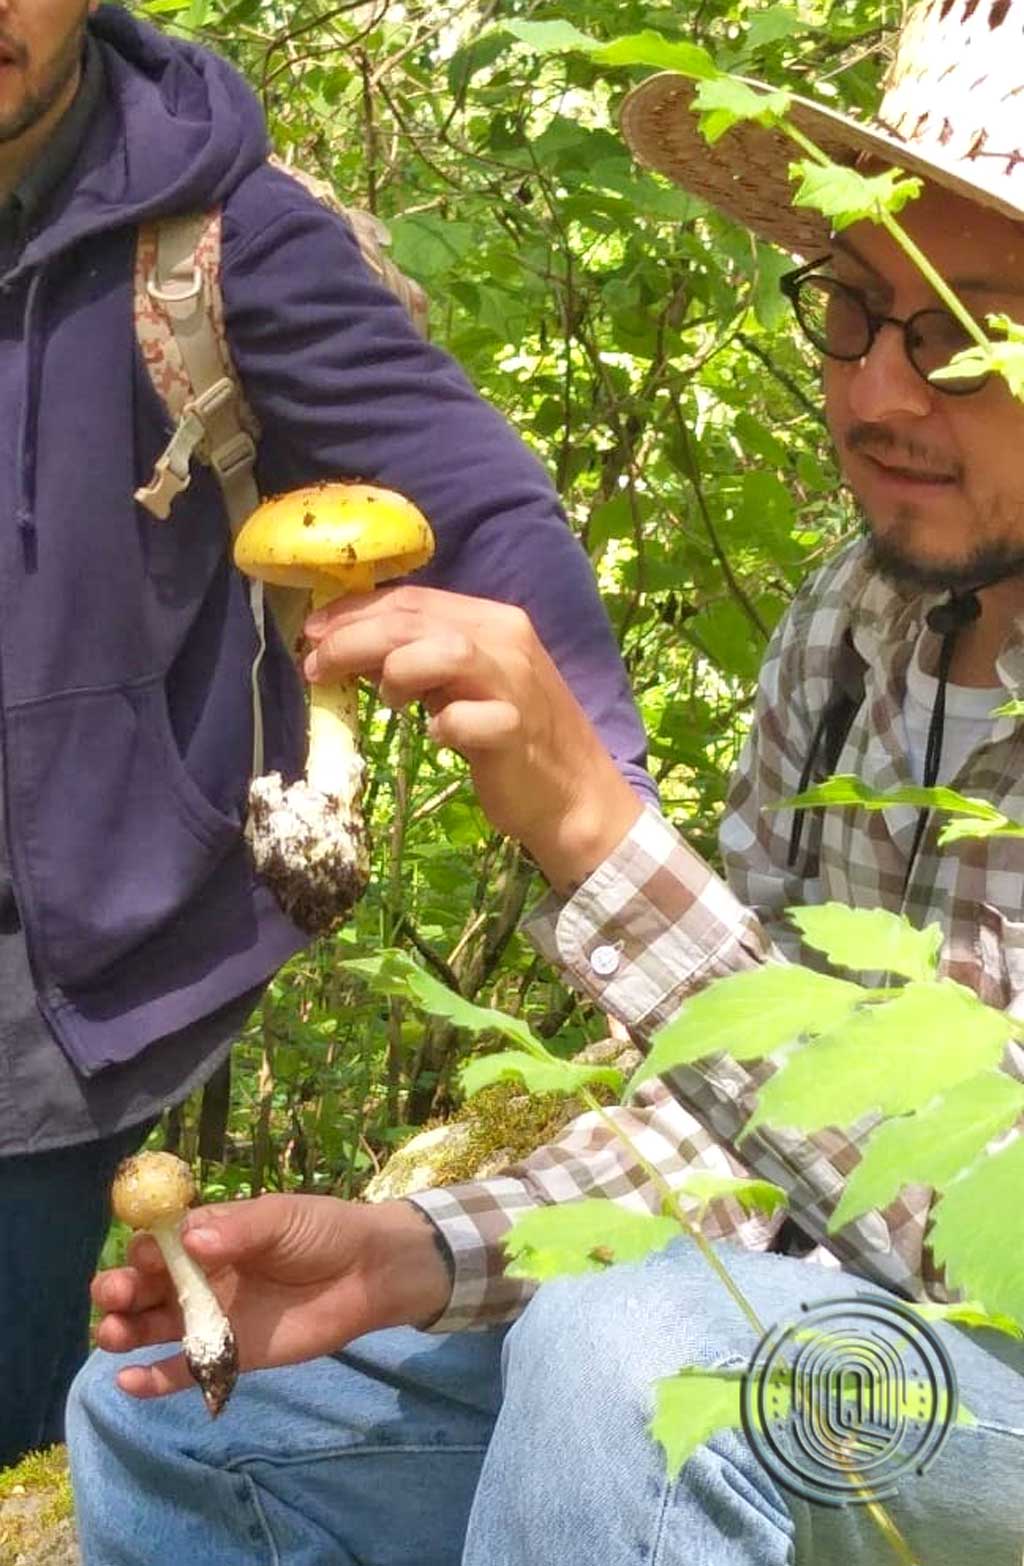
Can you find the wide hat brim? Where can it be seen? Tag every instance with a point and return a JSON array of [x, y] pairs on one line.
[[745, 174]]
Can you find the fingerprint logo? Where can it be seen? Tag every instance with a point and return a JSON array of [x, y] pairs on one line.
[[847, 1400]]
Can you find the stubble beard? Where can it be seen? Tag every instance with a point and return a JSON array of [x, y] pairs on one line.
[[59, 77], [995, 559]]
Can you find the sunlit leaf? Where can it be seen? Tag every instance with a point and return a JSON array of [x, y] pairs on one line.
[[583, 1236], [725, 100], [932, 1146], [748, 1015], [996, 357], [870, 939], [978, 1231], [759, 1196], [969, 1313], [691, 1407], [845, 789], [892, 1058], [537, 1076], [644, 48], [845, 196]]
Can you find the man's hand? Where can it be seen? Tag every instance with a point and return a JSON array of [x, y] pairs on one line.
[[297, 1275], [539, 768]]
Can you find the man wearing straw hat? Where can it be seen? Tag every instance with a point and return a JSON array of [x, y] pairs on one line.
[[526, 1442]]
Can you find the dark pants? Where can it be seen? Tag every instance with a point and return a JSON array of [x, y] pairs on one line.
[[54, 1213]]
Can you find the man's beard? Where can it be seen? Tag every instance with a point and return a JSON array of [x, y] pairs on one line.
[[991, 562], [60, 75]]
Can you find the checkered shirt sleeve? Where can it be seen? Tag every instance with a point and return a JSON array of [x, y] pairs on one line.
[[653, 924]]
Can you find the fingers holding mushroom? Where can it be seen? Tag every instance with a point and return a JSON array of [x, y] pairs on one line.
[[153, 1192], [309, 839]]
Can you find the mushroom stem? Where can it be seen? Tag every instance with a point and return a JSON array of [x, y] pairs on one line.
[[208, 1342]]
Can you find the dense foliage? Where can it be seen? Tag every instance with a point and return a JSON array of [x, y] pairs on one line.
[[639, 344]]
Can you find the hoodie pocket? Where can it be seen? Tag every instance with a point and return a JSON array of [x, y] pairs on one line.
[[112, 836]]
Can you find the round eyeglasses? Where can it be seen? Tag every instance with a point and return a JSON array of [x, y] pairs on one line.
[[838, 320]]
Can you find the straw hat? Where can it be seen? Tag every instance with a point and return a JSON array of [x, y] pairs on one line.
[[952, 111]]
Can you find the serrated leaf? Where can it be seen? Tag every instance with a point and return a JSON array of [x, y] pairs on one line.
[[845, 196], [753, 1195], [893, 1058], [978, 1231], [870, 939], [933, 1146], [845, 789], [972, 826], [968, 1313], [724, 100], [392, 972], [581, 1237], [537, 1076], [748, 1015], [692, 1406]]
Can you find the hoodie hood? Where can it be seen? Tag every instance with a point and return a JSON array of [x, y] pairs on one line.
[[179, 129]]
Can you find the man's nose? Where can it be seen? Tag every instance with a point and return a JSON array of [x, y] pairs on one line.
[[884, 384]]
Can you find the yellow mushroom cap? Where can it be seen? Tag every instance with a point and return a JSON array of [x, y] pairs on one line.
[[323, 535], [152, 1188]]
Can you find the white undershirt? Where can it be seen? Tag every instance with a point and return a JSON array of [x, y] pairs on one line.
[[968, 722]]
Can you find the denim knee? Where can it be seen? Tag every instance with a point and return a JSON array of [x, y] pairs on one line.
[[610, 1335]]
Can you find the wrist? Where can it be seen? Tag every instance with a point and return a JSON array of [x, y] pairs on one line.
[[410, 1273], [569, 848]]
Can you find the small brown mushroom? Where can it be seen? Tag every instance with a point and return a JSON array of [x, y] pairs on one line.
[[153, 1192]]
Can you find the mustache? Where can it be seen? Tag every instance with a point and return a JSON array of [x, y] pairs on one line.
[[877, 441]]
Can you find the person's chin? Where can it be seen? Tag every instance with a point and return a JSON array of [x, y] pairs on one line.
[[922, 557]]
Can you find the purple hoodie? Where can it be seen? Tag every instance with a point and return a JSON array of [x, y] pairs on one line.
[[125, 643]]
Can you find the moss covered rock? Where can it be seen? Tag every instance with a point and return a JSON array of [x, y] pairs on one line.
[[496, 1128]]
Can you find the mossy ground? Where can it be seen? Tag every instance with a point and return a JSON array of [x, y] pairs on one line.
[[36, 1512]]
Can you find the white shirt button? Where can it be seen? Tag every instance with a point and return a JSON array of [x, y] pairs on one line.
[[604, 960]]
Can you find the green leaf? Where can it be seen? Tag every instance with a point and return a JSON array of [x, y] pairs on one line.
[[977, 1232], [767, 27], [992, 358], [645, 48], [892, 1058], [870, 939], [551, 37], [391, 972], [724, 100], [969, 1313], [845, 789], [538, 1076], [932, 1146], [692, 1406], [845, 196], [759, 1196], [749, 1015], [584, 1236], [665, 54]]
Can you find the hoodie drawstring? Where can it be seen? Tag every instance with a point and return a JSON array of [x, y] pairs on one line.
[[29, 427]]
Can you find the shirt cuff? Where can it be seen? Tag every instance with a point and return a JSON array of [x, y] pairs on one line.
[[650, 925], [471, 1219]]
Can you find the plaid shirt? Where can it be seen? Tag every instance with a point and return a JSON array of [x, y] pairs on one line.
[[653, 924]]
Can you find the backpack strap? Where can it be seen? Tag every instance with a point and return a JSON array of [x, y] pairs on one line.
[[179, 321]]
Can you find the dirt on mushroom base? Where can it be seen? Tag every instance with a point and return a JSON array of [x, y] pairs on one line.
[[36, 1512]]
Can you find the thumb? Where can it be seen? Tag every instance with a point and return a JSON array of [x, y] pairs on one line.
[[230, 1232]]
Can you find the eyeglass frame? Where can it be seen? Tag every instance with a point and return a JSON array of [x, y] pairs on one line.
[[789, 286]]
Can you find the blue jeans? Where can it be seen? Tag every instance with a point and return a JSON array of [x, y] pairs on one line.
[[54, 1212], [524, 1446]]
